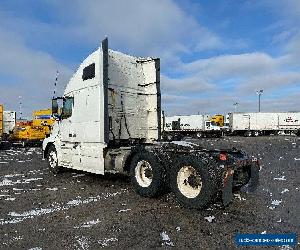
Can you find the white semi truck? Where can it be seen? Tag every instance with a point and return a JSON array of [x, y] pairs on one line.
[[110, 123], [178, 127], [262, 123]]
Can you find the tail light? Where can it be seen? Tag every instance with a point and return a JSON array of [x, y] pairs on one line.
[[223, 156]]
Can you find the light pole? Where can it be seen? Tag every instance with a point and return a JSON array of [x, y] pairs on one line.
[[259, 93], [20, 107], [235, 106]]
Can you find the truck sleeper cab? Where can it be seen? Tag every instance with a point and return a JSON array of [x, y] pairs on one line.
[[111, 122]]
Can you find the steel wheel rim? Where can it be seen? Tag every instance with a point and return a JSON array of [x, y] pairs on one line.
[[144, 173], [52, 159], [189, 182]]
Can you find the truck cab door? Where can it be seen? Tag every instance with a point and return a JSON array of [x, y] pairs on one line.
[[207, 125], [67, 134]]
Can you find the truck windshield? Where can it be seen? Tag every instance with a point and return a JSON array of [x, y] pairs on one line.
[[67, 107]]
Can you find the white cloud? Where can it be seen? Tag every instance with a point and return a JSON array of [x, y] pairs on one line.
[[33, 73], [185, 85], [232, 65], [270, 81], [138, 26]]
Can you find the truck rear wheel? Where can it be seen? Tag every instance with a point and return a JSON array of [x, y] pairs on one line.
[[53, 160], [194, 181], [147, 174]]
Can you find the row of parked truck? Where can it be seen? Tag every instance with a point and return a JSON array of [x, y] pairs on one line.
[[247, 124]]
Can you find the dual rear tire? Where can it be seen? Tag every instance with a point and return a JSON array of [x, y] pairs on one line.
[[191, 179]]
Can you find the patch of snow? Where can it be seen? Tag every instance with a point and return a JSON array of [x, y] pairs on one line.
[[279, 220], [124, 210], [12, 175], [282, 178], [166, 239], [297, 159], [178, 228], [31, 179], [10, 199], [90, 223], [74, 202], [78, 175], [184, 143], [19, 217], [6, 182], [239, 197], [210, 218], [105, 242], [83, 242], [34, 212], [285, 190], [36, 248], [276, 202], [52, 189], [264, 232]]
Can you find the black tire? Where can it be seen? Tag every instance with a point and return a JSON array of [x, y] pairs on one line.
[[206, 170], [53, 163], [248, 133], [140, 182], [199, 135]]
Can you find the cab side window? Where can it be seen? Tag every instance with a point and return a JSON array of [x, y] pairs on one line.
[[67, 107], [88, 72]]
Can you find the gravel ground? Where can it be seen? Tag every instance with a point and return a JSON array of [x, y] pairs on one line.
[[77, 210]]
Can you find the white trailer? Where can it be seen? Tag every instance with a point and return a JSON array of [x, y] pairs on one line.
[[254, 124], [177, 127], [9, 121], [110, 122]]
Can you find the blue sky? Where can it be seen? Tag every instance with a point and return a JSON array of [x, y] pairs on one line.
[[213, 53]]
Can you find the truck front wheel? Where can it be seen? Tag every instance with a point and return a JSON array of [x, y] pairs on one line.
[[147, 174], [53, 160], [194, 181]]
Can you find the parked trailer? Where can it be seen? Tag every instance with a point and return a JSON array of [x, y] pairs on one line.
[[7, 124], [178, 127], [1, 124], [254, 124], [9, 121], [110, 122]]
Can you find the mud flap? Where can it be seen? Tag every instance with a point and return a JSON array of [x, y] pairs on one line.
[[254, 179], [227, 194]]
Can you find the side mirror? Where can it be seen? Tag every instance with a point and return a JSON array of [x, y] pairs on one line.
[[54, 107]]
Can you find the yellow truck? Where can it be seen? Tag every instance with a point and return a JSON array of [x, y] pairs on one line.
[[217, 120], [35, 131], [43, 118]]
